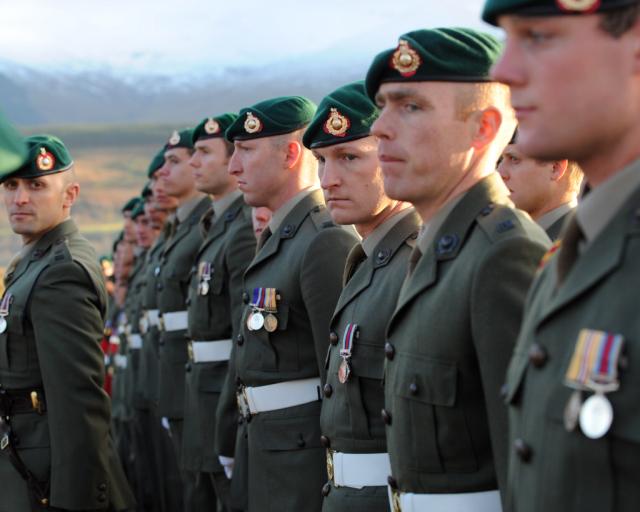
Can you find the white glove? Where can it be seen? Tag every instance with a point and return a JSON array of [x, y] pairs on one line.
[[227, 464]]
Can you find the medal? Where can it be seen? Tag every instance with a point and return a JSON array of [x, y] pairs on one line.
[[249, 321], [156, 271], [270, 322], [256, 321], [204, 272], [4, 310], [204, 288], [596, 416], [572, 411], [344, 371], [593, 367], [350, 333]]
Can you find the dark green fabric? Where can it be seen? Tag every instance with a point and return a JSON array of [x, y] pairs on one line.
[[13, 150], [495, 8], [156, 163], [213, 127], [138, 210], [439, 55], [180, 139], [345, 114], [276, 116], [146, 191], [46, 155], [131, 204]]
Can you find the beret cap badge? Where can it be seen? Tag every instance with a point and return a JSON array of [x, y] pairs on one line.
[[336, 124], [405, 60], [584, 6], [252, 124], [45, 161], [175, 138], [211, 127]]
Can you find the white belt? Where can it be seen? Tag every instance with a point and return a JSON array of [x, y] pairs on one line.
[[120, 361], [358, 470], [135, 341], [279, 396], [209, 351], [487, 501], [174, 321], [153, 317], [114, 340], [143, 324]]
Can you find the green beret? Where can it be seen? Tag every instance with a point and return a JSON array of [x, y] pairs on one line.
[[436, 55], [46, 155], [183, 139], [345, 114], [138, 210], [495, 8], [131, 204], [272, 117], [13, 151], [146, 191], [118, 239], [156, 163], [213, 127]]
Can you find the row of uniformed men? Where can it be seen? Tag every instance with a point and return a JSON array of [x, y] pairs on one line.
[[431, 300]]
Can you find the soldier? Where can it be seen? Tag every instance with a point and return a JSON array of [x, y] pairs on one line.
[[548, 191], [174, 276], [290, 291], [215, 305], [572, 385], [164, 472], [443, 125], [54, 432], [350, 175]]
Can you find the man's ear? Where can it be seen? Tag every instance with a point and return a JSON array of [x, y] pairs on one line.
[[71, 193], [558, 169], [294, 154], [487, 128]]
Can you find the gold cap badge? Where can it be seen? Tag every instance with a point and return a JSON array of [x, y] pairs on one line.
[[405, 60], [252, 124], [336, 124], [211, 127], [584, 6], [175, 138], [45, 161]]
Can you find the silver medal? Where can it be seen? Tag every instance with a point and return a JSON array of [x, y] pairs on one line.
[[596, 416], [256, 321], [572, 411], [204, 287], [3, 324]]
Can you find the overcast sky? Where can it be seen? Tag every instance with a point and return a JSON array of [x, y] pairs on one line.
[[143, 36]]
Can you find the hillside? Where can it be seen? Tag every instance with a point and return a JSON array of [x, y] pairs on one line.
[[111, 163]]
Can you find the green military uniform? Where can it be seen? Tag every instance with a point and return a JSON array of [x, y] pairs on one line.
[[458, 312], [553, 221], [55, 414], [215, 309]]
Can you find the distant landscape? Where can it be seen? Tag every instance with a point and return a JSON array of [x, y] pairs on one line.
[[111, 164]]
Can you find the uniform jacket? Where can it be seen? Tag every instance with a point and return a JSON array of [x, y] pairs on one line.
[[176, 263], [450, 340], [551, 468], [229, 247], [52, 341], [350, 416]]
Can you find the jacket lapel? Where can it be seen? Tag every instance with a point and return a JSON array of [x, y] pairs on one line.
[[185, 227], [219, 226]]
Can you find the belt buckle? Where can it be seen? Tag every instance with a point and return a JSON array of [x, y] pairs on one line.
[[190, 351], [395, 501], [330, 468], [243, 403], [161, 323]]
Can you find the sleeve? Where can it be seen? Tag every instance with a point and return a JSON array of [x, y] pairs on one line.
[[321, 284], [66, 316], [499, 290], [240, 253]]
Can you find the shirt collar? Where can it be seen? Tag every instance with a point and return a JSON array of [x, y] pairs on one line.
[[280, 214], [222, 205], [376, 236], [184, 210], [551, 217]]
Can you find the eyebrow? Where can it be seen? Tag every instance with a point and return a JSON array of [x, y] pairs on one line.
[[401, 94]]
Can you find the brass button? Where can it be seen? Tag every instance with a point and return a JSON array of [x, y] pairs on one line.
[[102, 497], [523, 450], [386, 417], [389, 351], [328, 390], [325, 442], [245, 297], [326, 489], [538, 355], [393, 483], [102, 487], [187, 367], [413, 388], [333, 338], [301, 442], [240, 339]]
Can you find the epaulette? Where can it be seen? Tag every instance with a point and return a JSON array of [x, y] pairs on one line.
[[321, 218], [497, 220]]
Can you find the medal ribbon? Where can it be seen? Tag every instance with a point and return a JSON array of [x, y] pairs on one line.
[[270, 302], [259, 295], [4, 305], [594, 360], [347, 340]]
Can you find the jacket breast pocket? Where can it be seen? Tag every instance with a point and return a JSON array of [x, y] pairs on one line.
[[433, 426]]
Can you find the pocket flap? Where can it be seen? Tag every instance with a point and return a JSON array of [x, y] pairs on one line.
[[368, 360], [426, 380], [290, 434]]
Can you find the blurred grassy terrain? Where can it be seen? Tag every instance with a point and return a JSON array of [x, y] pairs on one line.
[[111, 163]]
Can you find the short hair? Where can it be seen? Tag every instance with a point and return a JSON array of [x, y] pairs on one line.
[[575, 175], [619, 21]]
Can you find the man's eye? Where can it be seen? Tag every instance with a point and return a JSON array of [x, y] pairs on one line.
[[349, 157], [536, 36], [411, 107], [319, 158]]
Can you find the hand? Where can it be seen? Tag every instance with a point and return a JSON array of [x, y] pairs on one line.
[[227, 464]]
